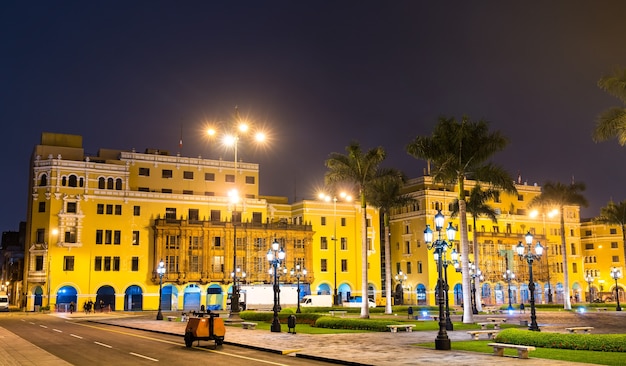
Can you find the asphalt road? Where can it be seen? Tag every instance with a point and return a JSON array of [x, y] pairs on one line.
[[84, 343]]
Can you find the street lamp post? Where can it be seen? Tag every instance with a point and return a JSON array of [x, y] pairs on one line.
[[160, 272], [475, 273], [401, 277], [275, 255], [232, 140], [297, 273], [530, 257], [589, 278], [346, 197], [233, 195], [508, 277], [616, 273], [442, 342], [451, 232]]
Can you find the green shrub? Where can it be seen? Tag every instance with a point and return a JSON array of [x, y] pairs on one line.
[[268, 316], [354, 323], [591, 342]]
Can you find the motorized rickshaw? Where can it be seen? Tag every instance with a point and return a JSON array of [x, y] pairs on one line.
[[201, 328]]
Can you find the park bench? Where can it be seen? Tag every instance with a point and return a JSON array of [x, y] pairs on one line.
[[248, 325], [407, 327], [337, 312], [602, 309], [484, 325], [522, 351], [491, 334], [171, 318], [497, 320], [577, 329]]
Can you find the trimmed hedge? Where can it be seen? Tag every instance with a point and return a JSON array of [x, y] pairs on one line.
[[590, 342], [266, 316], [351, 323]]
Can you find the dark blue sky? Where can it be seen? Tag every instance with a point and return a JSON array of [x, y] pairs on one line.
[[129, 74]]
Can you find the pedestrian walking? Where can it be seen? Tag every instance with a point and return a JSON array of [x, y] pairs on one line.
[[72, 306], [521, 308]]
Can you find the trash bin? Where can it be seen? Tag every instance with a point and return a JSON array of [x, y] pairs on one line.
[[291, 324], [523, 323]]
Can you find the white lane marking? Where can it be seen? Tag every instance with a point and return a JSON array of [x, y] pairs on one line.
[[76, 336], [146, 357], [43, 326], [103, 344], [57, 330], [31, 323]]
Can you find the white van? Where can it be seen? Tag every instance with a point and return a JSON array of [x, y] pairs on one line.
[[4, 303], [317, 300]]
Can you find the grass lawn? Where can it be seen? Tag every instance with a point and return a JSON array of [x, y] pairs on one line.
[[593, 357], [419, 326]]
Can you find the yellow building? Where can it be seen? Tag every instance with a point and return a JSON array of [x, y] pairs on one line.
[[602, 250], [98, 226], [337, 247], [496, 247]]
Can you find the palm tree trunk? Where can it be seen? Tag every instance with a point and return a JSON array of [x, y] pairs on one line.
[[624, 241], [388, 309], [467, 296], [479, 302], [365, 310], [567, 304]]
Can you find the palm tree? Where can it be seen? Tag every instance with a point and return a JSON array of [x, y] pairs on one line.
[[560, 195], [360, 170], [615, 214], [386, 194], [460, 151], [477, 206], [612, 122]]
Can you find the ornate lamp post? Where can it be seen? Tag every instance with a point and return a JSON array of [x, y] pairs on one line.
[[297, 273], [347, 198], [401, 277], [275, 255], [508, 277], [442, 342], [616, 273], [451, 233], [589, 278], [530, 257], [160, 272], [475, 273]]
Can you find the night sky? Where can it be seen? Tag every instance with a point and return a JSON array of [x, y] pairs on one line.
[[318, 74]]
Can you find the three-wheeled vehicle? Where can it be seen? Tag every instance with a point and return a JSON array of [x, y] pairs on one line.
[[201, 328]]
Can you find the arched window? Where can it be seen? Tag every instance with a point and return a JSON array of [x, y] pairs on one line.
[[72, 181], [110, 183], [101, 183], [118, 184], [81, 182], [64, 181], [44, 180]]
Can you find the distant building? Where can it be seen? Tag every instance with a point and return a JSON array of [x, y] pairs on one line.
[[12, 263]]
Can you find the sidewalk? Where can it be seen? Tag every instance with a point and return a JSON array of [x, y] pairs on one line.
[[384, 349]]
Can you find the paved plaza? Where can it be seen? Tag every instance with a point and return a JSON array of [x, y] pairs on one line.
[[371, 348]]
